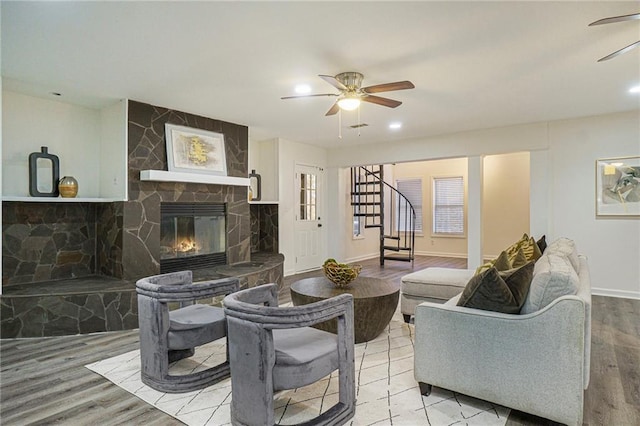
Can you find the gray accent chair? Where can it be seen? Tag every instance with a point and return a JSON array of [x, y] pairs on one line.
[[168, 335], [273, 348]]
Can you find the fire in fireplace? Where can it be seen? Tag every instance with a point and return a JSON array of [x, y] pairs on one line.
[[192, 236]]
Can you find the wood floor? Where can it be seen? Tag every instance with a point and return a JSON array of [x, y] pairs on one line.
[[43, 380]]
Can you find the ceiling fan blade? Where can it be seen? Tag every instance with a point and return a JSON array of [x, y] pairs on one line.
[[381, 101], [388, 87], [332, 81], [333, 110], [616, 19], [620, 52], [309, 96]]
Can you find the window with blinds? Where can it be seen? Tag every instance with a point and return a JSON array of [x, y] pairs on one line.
[[448, 206], [412, 189]]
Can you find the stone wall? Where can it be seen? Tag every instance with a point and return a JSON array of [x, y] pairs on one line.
[[47, 241], [264, 228]]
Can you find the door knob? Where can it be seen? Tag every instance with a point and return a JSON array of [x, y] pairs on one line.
[[319, 225]]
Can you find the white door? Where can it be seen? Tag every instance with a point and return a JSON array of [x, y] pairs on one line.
[[308, 225]]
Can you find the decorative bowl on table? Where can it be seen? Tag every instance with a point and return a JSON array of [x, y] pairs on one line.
[[340, 274]]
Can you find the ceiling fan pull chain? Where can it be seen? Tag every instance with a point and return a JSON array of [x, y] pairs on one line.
[[359, 120]]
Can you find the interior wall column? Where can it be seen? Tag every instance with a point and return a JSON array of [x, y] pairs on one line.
[[474, 211], [539, 194], [335, 197]]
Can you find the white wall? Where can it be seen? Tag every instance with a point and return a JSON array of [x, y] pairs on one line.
[[90, 144], [113, 153], [612, 244], [290, 154], [562, 187], [30, 123]]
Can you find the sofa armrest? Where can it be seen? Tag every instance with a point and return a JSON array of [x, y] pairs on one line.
[[532, 362]]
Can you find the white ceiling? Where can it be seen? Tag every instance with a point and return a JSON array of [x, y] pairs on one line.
[[474, 64]]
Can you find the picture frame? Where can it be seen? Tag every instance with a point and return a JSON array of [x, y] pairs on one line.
[[618, 187], [195, 150]]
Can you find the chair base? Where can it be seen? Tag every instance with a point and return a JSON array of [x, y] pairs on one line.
[[188, 382]]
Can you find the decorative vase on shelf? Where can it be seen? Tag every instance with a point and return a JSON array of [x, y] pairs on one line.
[[68, 187], [40, 164]]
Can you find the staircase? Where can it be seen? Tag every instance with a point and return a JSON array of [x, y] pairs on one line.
[[383, 206]]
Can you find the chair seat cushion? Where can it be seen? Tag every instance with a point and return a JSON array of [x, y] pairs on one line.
[[438, 283], [303, 355], [195, 316], [296, 346]]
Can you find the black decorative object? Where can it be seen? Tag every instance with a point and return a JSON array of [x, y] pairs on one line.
[[33, 172], [258, 186]]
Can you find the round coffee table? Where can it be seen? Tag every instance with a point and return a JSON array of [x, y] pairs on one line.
[[374, 302]]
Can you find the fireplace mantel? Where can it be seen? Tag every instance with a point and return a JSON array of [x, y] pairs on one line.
[[165, 176]]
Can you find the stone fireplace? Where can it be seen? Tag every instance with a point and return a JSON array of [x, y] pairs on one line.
[[71, 268]]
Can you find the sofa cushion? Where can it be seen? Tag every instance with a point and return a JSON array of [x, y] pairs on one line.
[[498, 291], [553, 276], [567, 248]]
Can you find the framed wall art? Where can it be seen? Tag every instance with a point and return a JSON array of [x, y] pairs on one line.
[[195, 151], [618, 186]]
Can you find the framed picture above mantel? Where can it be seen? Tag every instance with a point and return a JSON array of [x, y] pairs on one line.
[[195, 150], [618, 186]]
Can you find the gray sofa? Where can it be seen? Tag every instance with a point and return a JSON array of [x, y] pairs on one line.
[[536, 362]]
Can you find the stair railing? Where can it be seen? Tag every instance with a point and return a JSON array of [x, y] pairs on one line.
[[402, 220]]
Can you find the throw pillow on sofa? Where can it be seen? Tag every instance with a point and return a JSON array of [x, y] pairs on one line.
[[501, 263], [566, 248], [553, 277], [498, 291]]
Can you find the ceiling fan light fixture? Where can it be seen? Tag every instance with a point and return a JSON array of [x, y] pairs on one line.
[[349, 103]]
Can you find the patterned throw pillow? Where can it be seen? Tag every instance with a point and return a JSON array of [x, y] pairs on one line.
[[520, 259], [512, 250], [501, 263]]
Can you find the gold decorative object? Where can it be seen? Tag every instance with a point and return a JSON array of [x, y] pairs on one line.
[[340, 274], [68, 187]]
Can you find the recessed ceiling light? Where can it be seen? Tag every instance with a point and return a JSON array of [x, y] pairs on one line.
[[395, 126], [635, 89], [303, 89]]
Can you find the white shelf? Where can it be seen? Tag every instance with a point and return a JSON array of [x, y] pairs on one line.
[[26, 199], [263, 202], [165, 176]]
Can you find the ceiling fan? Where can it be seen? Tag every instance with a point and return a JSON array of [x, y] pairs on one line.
[[611, 21], [351, 94]]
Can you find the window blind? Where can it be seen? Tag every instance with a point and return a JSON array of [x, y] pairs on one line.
[[412, 189], [448, 205]]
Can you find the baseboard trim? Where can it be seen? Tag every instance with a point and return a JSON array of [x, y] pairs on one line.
[[615, 293], [441, 254], [362, 257]]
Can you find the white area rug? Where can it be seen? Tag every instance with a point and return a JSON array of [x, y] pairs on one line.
[[387, 393]]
